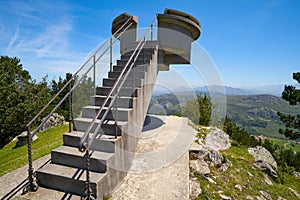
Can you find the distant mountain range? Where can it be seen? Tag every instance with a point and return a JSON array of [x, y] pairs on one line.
[[275, 90]]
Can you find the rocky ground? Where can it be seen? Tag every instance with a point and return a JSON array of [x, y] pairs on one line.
[[219, 171]]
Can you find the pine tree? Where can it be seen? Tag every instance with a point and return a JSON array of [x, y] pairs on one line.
[[292, 123]]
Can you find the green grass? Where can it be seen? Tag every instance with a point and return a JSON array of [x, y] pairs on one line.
[[285, 144], [12, 158], [242, 163]]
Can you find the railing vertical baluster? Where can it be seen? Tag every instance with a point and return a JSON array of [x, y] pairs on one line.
[[110, 54], [117, 114], [70, 109], [94, 71], [151, 32]]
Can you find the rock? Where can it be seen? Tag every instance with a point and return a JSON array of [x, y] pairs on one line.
[[224, 167], [199, 154], [217, 139], [22, 139], [238, 187], [295, 193], [260, 198], [265, 194], [195, 189], [199, 166], [266, 167], [54, 120], [296, 174], [224, 197], [264, 160], [280, 198], [261, 153], [267, 180], [251, 175], [215, 157], [210, 180], [249, 197]]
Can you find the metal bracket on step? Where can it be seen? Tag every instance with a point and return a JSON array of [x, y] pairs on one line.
[[88, 193], [31, 186]]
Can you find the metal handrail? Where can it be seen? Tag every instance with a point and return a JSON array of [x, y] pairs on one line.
[[74, 76], [85, 142], [32, 186]]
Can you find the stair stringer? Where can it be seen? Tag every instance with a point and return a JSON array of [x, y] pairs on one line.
[[125, 148]]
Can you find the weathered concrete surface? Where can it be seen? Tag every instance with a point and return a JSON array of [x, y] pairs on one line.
[[160, 168], [161, 165], [10, 181]]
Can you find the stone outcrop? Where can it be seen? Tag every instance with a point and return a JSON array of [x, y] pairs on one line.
[[215, 157], [199, 166], [217, 139], [264, 160], [206, 152], [54, 120], [195, 189]]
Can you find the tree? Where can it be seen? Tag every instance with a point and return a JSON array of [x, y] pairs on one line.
[[20, 98], [292, 123], [198, 110], [55, 88]]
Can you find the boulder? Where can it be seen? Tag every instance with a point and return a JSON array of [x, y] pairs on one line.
[[217, 139], [215, 157], [22, 139], [266, 167], [199, 166], [54, 120], [264, 160], [261, 153]]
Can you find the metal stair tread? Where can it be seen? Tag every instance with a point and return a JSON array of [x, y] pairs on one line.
[[74, 151], [70, 172]]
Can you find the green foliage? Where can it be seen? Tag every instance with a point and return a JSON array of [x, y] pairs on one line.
[[198, 110], [292, 123], [55, 88], [239, 135], [20, 98]]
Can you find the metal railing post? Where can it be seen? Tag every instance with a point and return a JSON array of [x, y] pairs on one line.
[[32, 185]]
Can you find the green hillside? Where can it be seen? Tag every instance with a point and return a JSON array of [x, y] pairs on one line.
[[257, 114]]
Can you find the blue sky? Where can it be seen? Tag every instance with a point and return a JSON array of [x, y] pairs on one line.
[[252, 42]]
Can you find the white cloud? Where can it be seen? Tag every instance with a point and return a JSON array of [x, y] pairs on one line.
[[13, 39]]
